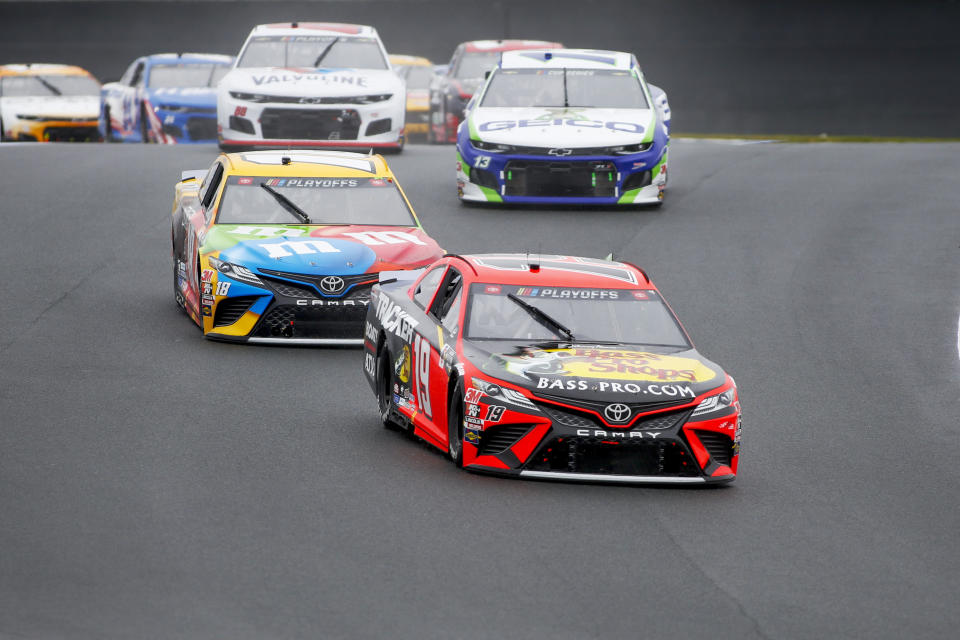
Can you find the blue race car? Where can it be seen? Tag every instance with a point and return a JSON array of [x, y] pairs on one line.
[[166, 98], [565, 126]]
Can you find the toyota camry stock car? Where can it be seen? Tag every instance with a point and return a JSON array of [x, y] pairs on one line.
[[565, 126], [312, 84], [560, 367], [168, 98], [283, 247]]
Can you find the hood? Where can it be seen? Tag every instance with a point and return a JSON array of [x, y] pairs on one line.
[[322, 250], [562, 127], [627, 373], [418, 99], [54, 106], [294, 82], [187, 97]]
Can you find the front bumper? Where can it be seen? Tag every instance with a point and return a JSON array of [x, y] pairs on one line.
[[188, 125], [638, 178], [377, 125], [55, 130]]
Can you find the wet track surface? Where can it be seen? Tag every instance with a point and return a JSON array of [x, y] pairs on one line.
[[156, 485]]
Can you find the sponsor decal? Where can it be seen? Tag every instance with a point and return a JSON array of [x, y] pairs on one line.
[[313, 183], [207, 289], [473, 411], [245, 181], [265, 232], [640, 295], [206, 310], [492, 289], [402, 367], [395, 320], [376, 238], [473, 396], [308, 78], [578, 384], [370, 332], [223, 288], [618, 435], [208, 300], [377, 182], [578, 294], [207, 275], [369, 364], [583, 123], [449, 355], [472, 420], [287, 248], [616, 364], [471, 435]]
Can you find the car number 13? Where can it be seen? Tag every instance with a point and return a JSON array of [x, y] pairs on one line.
[[482, 162], [421, 372]]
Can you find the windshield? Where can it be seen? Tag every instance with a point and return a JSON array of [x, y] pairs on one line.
[[417, 76], [177, 76], [313, 51], [475, 64], [597, 88], [622, 316], [49, 85], [372, 201]]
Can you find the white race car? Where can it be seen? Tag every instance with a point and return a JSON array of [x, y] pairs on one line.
[[311, 84], [565, 126], [48, 102]]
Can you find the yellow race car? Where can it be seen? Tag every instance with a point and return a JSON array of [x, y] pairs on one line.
[[284, 246], [417, 72], [48, 102]]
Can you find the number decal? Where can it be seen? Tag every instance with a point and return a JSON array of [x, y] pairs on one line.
[[421, 348], [223, 288], [482, 162], [493, 413]]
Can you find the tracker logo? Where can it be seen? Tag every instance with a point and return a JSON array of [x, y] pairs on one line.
[[617, 413], [332, 284]]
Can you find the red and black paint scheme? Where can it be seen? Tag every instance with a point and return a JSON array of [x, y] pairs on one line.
[[553, 368]]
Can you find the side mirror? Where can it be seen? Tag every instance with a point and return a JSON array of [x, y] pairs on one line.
[[486, 74]]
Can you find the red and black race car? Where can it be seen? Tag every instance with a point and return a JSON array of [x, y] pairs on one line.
[[560, 367]]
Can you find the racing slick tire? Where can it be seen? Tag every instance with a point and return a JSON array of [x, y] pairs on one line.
[[107, 127], [385, 389], [144, 130], [455, 424]]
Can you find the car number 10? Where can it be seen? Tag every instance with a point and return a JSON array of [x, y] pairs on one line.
[[421, 370]]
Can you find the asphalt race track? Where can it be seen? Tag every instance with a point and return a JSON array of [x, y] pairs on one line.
[[157, 485]]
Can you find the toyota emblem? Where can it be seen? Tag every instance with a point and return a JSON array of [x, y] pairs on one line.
[[560, 152], [332, 284], [617, 412]]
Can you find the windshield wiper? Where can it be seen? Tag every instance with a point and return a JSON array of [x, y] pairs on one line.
[[286, 203], [566, 100], [541, 317], [50, 86], [326, 50]]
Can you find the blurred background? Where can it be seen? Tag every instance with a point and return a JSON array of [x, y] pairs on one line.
[[836, 67]]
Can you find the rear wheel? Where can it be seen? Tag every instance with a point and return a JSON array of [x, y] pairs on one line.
[[385, 389], [107, 127], [455, 424]]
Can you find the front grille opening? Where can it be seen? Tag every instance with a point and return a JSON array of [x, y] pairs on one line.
[[595, 179], [667, 458], [310, 124], [241, 124], [289, 290], [316, 322], [718, 445], [567, 418], [484, 178], [172, 130], [637, 180], [231, 309], [200, 128], [379, 126], [497, 439]]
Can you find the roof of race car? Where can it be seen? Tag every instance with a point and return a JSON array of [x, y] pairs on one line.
[[576, 58], [323, 164], [508, 45], [44, 69], [418, 61], [215, 58], [297, 28], [555, 271]]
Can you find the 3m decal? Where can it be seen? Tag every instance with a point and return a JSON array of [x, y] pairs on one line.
[[207, 275], [377, 238], [473, 396], [223, 288], [421, 348], [301, 247]]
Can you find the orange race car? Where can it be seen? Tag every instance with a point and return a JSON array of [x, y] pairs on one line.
[[48, 102]]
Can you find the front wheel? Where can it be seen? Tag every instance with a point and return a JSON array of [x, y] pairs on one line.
[[455, 424], [144, 126], [385, 389]]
